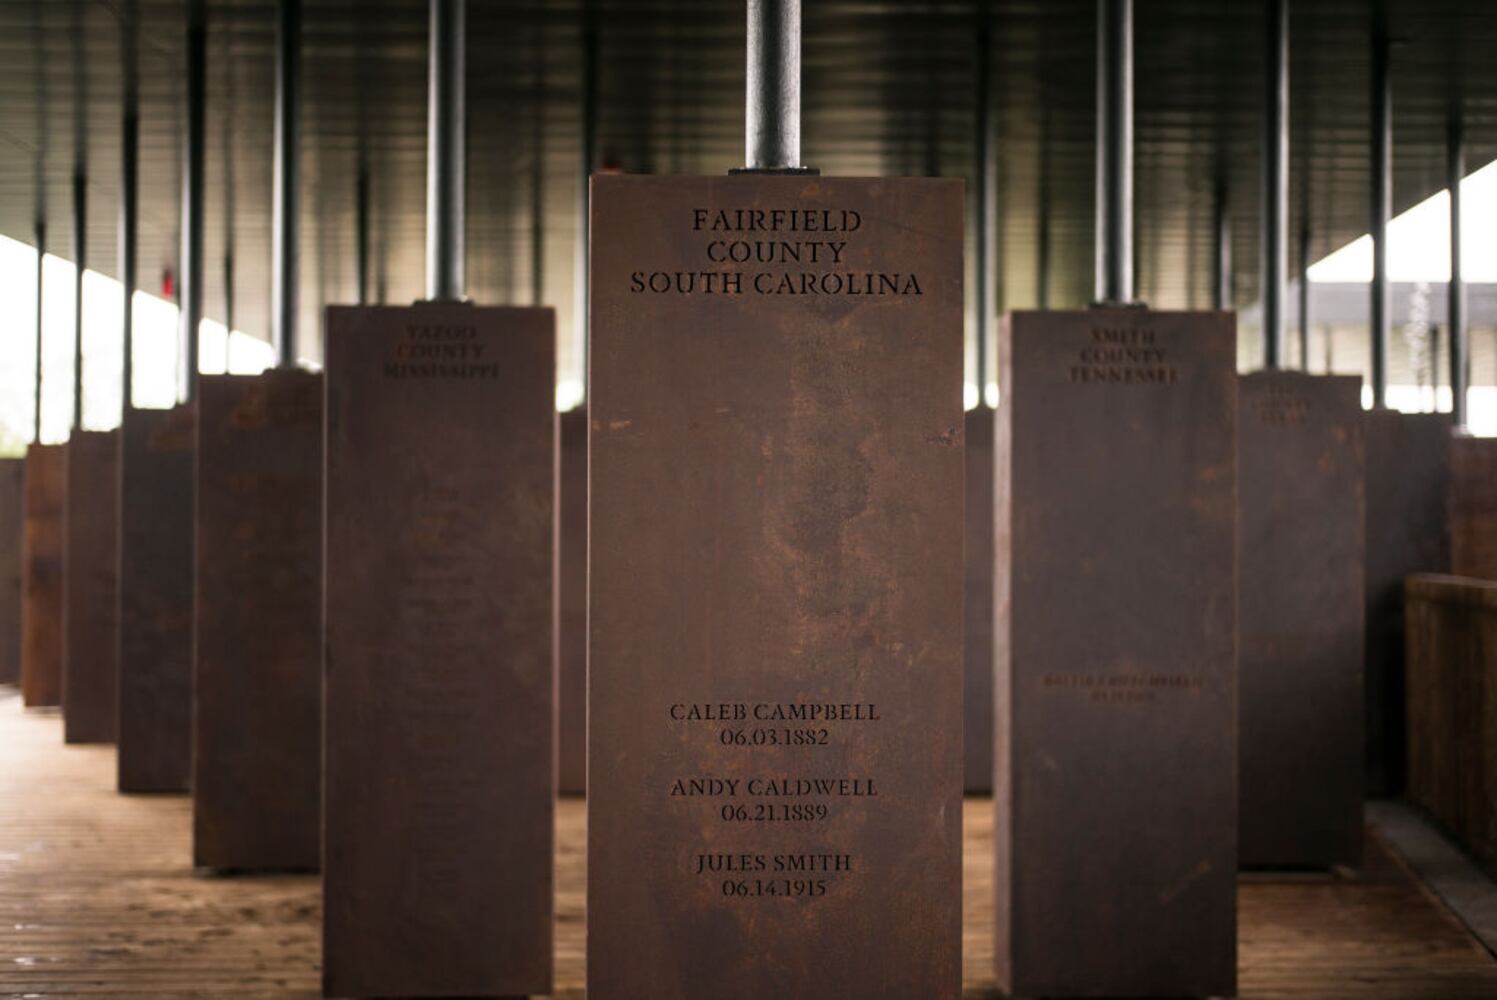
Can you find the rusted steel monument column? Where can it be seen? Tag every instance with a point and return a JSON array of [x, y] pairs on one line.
[[1300, 610], [43, 518], [156, 510], [12, 484], [1116, 832], [1408, 468], [571, 564], [90, 625], [1300, 508], [439, 742], [42, 531], [977, 632], [775, 741], [257, 684]]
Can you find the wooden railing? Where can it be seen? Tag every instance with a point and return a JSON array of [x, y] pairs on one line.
[[1451, 635]]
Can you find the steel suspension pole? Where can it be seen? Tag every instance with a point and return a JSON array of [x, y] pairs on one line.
[[772, 109], [446, 151], [1460, 335], [192, 197], [1275, 181], [286, 187], [1114, 225], [1381, 203]]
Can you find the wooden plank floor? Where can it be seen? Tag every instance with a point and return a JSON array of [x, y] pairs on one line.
[[96, 899]]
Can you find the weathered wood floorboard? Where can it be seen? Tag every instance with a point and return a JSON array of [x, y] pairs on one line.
[[97, 900]]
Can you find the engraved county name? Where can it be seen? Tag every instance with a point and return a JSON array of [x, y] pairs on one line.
[[775, 251], [440, 350], [1122, 356]]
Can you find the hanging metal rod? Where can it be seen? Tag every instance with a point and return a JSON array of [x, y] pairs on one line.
[[80, 261], [1275, 181], [1114, 226], [192, 197], [129, 201], [772, 107], [286, 188], [1460, 336], [446, 111], [1381, 202]]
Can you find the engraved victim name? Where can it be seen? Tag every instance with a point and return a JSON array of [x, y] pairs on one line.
[[756, 800], [1124, 689]]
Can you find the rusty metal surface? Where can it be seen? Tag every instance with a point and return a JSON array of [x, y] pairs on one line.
[[91, 637], [257, 671], [41, 574], [1301, 469], [12, 482], [1408, 488], [1452, 707], [775, 521], [1115, 670], [571, 604], [977, 653], [1473, 507], [155, 679], [440, 686]]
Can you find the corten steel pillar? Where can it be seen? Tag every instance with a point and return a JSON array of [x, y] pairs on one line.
[[792, 402], [12, 483], [571, 564], [1145, 402], [41, 541], [439, 538], [90, 532], [258, 576], [1275, 181], [154, 730], [43, 494], [977, 752], [37, 613], [1300, 606], [446, 149], [1114, 224], [286, 188], [1381, 192], [1460, 342], [91, 634]]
